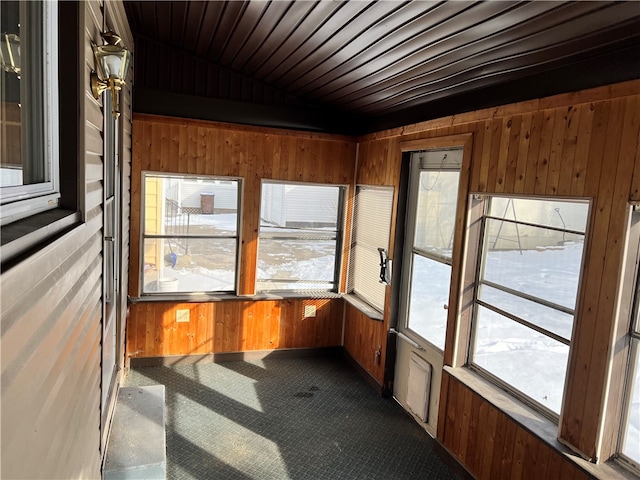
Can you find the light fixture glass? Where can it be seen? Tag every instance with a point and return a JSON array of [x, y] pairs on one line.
[[112, 63]]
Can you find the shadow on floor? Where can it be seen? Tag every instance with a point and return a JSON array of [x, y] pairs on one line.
[[305, 418]]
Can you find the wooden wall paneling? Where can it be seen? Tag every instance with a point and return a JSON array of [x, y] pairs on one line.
[[582, 150], [484, 158], [502, 156], [531, 174], [580, 362], [555, 155], [522, 155], [512, 154], [478, 130], [519, 449], [493, 154], [628, 151], [620, 133], [569, 147], [546, 142]]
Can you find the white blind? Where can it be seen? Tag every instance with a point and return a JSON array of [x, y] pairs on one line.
[[371, 225]]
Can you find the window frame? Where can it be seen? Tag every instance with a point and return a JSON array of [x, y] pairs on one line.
[[42, 121], [339, 239], [479, 221], [182, 294], [353, 265], [632, 363]]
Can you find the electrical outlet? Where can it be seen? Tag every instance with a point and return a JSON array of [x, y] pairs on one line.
[[182, 316], [309, 311]]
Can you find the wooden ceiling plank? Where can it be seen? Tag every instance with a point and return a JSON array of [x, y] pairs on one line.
[[288, 23], [317, 16], [359, 30], [148, 10], [193, 24], [178, 23], [513, 17], [314, 42], [208, 27], [230, 16], [415, 51], [452, 52], [163, 20], [274, 12], [242, 31]]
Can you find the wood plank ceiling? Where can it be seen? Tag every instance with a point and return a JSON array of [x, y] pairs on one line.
[[375, 60]]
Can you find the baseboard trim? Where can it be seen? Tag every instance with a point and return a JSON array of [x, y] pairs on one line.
[[173, 360]]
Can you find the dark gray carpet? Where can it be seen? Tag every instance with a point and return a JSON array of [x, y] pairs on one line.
[[304, 418]]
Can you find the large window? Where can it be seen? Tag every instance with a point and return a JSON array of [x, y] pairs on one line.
[[371, 227], [629, 448], [190, 234], [526, 288], [431, 217], [28, 108], [300, 237]]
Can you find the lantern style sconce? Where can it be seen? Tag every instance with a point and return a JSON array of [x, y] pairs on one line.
[[10, 53], [112, 62]]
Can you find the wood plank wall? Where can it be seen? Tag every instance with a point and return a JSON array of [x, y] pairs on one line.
[[174, 145], [51, 312], [578, 145]]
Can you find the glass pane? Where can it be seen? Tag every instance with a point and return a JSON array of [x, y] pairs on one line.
[[366, 276], [436, 211], [530, 362], [11, 167], [544, 266], [631, 435], [371, 224], [550, 213], [430, 282], [183, 264], [188, 206], [550, 319], [293, 206], [296, 264]]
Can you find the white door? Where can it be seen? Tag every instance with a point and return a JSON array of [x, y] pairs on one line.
[[432, 199]]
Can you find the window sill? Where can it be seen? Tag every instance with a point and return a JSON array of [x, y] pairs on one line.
[[363, 307], [221, 297], [22, 236], [534, 422]]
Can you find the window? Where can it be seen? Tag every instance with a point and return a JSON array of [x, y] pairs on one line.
[[371, 226], [29, 109], [190, 234], [526, 288], [431, 217], [629, 446], [300, 237]]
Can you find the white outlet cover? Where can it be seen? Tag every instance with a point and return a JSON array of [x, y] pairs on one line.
[[309, 311], [182, 315]]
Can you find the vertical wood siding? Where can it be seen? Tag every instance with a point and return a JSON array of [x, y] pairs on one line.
[[52, 314], [578, 145], [195, 147]]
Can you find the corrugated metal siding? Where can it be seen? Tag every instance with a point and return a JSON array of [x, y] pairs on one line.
[[51, 317]]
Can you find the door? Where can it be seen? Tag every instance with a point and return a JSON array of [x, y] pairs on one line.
[[111, 272], [430, 218]]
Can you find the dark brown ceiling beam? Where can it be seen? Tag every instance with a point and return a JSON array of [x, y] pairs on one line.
[[202, 108]]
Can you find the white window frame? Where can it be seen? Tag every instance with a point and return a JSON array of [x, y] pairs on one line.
[[26, 200], [143, 236], [512, 390], [368, 293], [633, 360], [338, 237]]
